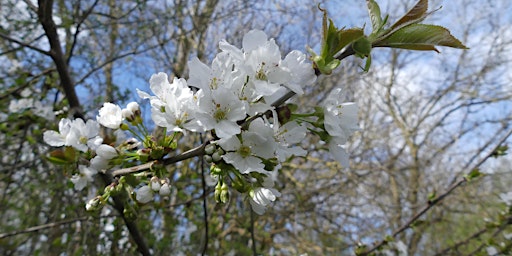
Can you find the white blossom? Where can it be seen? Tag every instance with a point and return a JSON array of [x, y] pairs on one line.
[[75, 133], [220, 110], [246, 154], [110, 116], [84, 176], [259, 198], [340, 121], [144, 194]]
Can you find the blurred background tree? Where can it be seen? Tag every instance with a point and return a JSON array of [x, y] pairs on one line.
[[426, 119]]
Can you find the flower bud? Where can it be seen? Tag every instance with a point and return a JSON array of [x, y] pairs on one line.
[[155, 184], [134, 108], [94, 204], [124, 127], [165, 189], [128, 115], [143, 154], [210, 149], [224, 194], [217, 193], [216, 157], [208, 159]]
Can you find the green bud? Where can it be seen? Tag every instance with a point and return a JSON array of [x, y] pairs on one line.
[[208, 159], [210, 149], [217, 193], [94, 204], [143, 154], [157, 152], [216, 157], [224, 194], [124, 127]]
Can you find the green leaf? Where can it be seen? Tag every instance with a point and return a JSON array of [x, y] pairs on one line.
[[346, 37], [414, 15], [334, 40], [473, 174], [420, 37], [375, 16], [362, 47], [62, 156], [500, 151]]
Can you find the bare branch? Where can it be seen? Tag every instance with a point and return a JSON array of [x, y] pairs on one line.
[[16, 41], [431, 203], [41, 227]]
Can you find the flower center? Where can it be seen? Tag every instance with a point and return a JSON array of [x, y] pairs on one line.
[[260, 75], [220, 114], [83, 140], [244, 151], [214, 83]]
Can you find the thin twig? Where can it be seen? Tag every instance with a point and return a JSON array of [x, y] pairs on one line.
[[41, 227], [254, 252], [18, 42], [431, 203], [205, 203]]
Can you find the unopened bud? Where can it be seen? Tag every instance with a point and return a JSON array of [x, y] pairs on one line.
[[155, 184], [143, 154], [128, 115], [224, 194], [124, 127], [134, 108], [216, 157], [217, 193], [94, 204], [165, 189], [210, 149], [208, 159]]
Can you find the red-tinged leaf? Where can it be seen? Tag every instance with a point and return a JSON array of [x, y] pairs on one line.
[[414, 15], [420, 37]]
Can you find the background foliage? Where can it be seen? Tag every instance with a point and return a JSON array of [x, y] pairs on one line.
[[427, 120]]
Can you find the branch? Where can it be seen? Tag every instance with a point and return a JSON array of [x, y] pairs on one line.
[[16, 41], [41, 227], [431, 203], [44, 14], [130, 223]]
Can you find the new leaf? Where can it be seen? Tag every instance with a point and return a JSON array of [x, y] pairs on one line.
[[420, 37]]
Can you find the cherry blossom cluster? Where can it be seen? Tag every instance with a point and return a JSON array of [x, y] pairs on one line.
[[232, 100]]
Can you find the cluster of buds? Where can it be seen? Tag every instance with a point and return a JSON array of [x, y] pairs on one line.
[[156, 186]]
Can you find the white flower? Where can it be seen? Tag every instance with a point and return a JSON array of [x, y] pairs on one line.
[[173, 105], [340, 118], [104, 153], [256, 143], [144, 194], [340, 121], [338, 152], [259, 198], [289, 134], [220, 75], [301, 72], [57, 139], [110, 116], [76, 133], [155, 184], [83, 136], [86, 175], [220, 110]]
